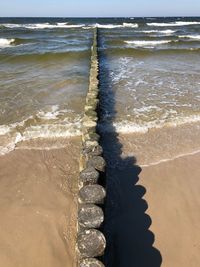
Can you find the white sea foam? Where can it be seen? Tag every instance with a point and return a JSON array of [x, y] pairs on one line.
[[66, 25], [48, 123], [143, 127], [4, 129], [173, 24], [6, 42], [148, 43], [62, 23], [52, 26], [157, 31], [113, 26], [44, 26], [51, 114], [130, 25], [52, 131], [10, 25], [8, 147], [46, 131], [195, 37]]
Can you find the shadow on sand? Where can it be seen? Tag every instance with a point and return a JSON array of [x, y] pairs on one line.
[[129, 242]]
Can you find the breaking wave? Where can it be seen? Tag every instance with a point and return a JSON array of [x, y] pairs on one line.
[[6, 42], [126, 126], [43, 26], [193, 37], [148, 43], [173, 24], [157, 31]]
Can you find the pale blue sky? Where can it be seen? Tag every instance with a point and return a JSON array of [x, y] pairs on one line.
[[102, 8]]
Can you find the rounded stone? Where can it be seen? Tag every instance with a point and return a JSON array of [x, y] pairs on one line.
[[93, 93], [86, 130], [92, 150], [91, 243], [90, 216], [89, 123], [91, 262], [90, 136], [92, 102], [90, 144], [97, 162], [89, 176], [91, 113], [90, 117], [92, 194], [89, 107]]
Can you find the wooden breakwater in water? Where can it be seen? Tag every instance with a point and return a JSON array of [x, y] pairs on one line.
[[91, 242]]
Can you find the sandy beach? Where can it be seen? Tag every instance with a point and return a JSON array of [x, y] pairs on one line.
[[169, 159], [149, 127], [38, 206], [172, 194], [152, 214]]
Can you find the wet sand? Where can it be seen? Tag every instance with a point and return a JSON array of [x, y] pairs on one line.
[[152, 209], [169, 158], [172, 195], [38, 206]]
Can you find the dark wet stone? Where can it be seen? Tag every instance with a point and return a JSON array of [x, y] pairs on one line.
[[92, 194], [97, 162], [91, 243], [89, 176], [91, 262], [90, 216]]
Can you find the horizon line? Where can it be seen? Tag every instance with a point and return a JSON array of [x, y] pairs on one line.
[[96, 17]]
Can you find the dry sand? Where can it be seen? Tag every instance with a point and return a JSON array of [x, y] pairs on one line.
[[38, 206], [172, 195]]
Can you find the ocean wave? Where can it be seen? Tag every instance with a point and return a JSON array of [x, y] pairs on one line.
[[157, 31], [46, 124], [113, 26], [148, 43], [47, 56], [140, 51], [43, 26], [193, 37], [51, 114], [130, 25], [6, 42], [67, 26], [126, 127], [173, 24], [47, 131]]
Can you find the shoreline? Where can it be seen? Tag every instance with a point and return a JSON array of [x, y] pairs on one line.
[[39, 206], [161, 145]]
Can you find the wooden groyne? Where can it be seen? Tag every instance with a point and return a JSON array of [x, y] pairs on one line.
[[91, 242]]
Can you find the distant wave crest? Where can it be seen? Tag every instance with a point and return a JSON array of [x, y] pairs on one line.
[[194, 37], [157, 31], [43, 26], [173, 24], [148, 43]]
